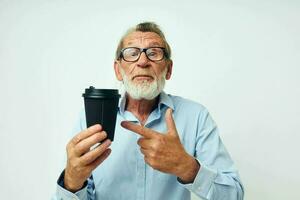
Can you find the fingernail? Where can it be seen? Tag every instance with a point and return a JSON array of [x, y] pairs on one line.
[[108, 141], [123, 123], [169, 110], [105, 134], [98, 126]]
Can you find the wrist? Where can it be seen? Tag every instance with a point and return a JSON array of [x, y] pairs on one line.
[[188, 170], [72, 185]]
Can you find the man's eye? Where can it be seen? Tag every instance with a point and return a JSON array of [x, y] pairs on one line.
[[133, 53], [152, 53]]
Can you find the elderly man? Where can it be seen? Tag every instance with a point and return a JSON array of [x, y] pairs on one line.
[[165, 146]]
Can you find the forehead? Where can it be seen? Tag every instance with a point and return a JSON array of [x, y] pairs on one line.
[[143, 39]]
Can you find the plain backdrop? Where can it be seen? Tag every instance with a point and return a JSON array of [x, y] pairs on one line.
[[240, 59]]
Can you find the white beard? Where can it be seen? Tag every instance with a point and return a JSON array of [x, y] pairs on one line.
[[144, 90]]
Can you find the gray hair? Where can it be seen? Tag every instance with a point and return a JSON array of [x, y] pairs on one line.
[[144, 27]]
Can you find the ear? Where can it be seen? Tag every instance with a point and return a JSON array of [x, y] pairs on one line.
[[117, 66], [170, 67]]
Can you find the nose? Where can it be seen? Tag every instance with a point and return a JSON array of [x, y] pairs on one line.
[[143, 61]]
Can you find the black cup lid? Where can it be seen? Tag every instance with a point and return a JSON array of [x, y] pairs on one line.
[[92, 92]]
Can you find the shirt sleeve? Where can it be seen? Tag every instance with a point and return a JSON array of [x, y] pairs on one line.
[[86, 193], [217, 177]]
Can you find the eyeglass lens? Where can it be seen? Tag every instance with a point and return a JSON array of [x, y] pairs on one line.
[[132, 54]]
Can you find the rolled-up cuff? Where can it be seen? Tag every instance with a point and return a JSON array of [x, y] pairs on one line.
[[203, 181], [64, 194]]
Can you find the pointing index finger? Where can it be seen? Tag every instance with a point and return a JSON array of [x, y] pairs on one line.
[[141, 130], [169, 120]]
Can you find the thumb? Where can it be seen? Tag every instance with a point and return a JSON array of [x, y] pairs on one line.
[[170, 122]]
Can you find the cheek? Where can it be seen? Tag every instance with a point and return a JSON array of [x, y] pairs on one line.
[[163, 72], [159, 70], [129, 69]]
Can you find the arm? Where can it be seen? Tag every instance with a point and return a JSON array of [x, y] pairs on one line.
[[210, 176], [217, 177], [76, 181]]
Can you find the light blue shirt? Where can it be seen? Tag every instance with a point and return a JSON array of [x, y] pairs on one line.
[[124, 175]]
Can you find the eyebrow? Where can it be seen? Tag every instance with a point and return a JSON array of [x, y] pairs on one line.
[[150, 44], [154, 43]]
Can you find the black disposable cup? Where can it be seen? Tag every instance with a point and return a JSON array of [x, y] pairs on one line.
[[101, 107]]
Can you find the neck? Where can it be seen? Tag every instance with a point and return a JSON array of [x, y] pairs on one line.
[[142, 108]]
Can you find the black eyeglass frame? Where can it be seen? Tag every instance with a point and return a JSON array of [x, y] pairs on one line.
[[165, 55]]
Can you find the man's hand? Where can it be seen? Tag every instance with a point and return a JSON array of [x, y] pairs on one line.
[[165, 152], [81, 160]]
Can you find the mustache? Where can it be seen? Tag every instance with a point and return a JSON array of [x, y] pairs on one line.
[[146, 73], [142, 75]]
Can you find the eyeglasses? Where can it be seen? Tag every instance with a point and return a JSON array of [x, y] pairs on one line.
[[132, 54]]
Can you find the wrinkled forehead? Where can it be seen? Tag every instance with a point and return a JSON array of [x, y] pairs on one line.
[[143, 39]]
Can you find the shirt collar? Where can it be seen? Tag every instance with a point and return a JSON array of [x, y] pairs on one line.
[[164, 99]]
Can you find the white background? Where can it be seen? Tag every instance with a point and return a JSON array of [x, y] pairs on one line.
[[238, 58]]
